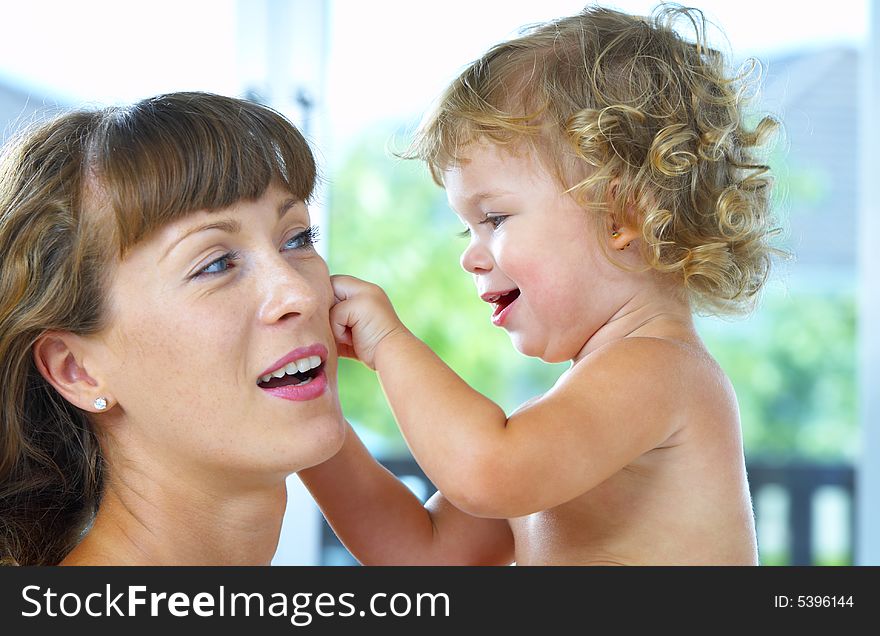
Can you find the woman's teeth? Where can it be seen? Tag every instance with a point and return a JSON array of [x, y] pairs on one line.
[[297, 366]]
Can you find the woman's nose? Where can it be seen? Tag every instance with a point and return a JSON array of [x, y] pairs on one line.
[[288, 292], [476, 259]]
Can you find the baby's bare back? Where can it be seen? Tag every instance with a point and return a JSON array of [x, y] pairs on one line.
[[685, 502]]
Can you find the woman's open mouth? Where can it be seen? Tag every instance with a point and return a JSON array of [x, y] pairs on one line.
[[302, 378], [295, 373]]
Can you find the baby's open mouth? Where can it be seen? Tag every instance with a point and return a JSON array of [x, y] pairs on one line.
[[503, 300], [297, 373]]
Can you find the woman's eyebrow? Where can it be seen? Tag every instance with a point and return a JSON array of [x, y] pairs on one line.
[[231, 226], [285, 206]]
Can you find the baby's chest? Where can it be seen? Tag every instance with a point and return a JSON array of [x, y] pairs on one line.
[[613, 512], [549, 535]]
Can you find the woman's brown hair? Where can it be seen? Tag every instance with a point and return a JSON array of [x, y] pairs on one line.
[[75, 194]]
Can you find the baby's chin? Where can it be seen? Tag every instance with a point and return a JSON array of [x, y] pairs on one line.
[[551, 353]]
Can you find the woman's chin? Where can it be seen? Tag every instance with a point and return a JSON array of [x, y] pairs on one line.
[[326, 435]]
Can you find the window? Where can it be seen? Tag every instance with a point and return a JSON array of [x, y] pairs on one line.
[[358, 76]]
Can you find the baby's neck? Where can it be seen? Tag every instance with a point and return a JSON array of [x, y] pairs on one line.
[[668, 318]]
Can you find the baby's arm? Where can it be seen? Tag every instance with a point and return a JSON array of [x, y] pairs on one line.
[[594, 422], [382, 522]]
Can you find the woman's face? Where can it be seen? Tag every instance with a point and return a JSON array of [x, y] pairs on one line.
[[200, 316]]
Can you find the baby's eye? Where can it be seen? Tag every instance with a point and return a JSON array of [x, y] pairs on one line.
[[305, 239], [219, 265], [495, 220]]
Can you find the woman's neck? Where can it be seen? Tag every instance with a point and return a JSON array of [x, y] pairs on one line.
[[170, 523]]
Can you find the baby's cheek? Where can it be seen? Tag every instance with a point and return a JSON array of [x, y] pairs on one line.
[[558, 302], [540, 279]]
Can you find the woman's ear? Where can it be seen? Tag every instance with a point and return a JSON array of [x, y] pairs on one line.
[[60, 359]]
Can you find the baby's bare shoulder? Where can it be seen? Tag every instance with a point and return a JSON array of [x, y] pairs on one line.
[[651, 354], [667, 371]]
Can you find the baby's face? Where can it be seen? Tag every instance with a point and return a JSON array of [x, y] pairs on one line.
[[199, 315], [533, 253]]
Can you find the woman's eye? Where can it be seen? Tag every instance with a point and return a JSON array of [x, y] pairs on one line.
[[304, 239], [465, 233], [219, 265]]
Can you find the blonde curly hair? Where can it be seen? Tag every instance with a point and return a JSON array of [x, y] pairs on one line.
[[638, 123]]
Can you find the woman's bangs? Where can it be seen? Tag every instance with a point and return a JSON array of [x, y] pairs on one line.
[[157, 161]]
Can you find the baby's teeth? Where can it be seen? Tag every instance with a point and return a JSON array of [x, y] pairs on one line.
[[303, 365], [314, 362]]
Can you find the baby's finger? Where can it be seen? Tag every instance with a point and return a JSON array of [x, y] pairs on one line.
[[340, 317], [344, 286]]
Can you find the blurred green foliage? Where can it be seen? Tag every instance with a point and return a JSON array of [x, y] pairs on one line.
[[792, 363], [793, 367]]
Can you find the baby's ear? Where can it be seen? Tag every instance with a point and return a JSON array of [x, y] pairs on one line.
[[623, 218], [621, 236], [60, 357]]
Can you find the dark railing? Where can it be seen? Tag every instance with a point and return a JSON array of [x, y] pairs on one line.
[[800, 481]]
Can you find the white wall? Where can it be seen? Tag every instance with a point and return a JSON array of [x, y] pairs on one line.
[[868, 474]]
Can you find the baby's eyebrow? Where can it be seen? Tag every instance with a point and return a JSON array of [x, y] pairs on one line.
[[482, 195]]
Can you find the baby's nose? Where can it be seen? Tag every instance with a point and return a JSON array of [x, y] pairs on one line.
[[476, 259]]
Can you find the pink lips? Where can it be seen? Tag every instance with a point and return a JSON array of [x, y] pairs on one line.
[[298, 393], [499, 317], [302, 392], [501, 309]]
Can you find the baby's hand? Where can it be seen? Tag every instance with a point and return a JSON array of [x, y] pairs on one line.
[[361, 318]]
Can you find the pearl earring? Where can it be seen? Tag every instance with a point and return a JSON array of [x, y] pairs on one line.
[[100, 403]]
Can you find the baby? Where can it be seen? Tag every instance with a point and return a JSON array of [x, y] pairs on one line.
[[609, 187]]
